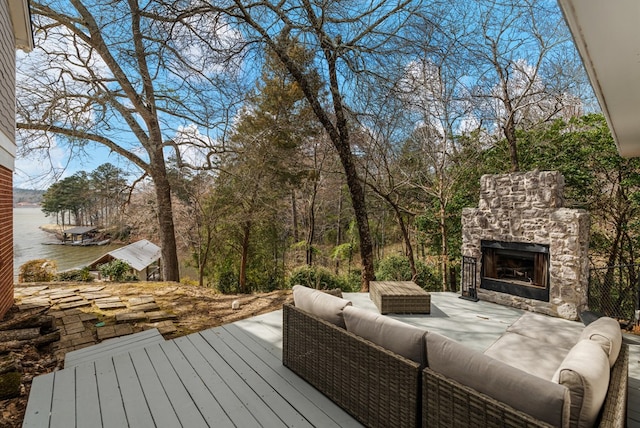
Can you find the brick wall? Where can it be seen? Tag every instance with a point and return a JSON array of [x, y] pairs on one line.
[[7, 148], [7, 72], [6, 240]]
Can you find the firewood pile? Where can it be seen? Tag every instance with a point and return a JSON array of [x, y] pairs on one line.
[[23, 355]]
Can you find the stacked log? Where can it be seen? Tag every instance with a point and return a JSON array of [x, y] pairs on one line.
[[31, 328]]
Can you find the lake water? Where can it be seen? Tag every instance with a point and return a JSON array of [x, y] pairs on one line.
[[28, 241]]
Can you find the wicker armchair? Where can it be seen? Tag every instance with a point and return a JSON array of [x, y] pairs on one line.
[[376, 386]]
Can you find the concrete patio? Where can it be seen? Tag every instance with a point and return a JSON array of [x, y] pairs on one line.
[[233, 376]]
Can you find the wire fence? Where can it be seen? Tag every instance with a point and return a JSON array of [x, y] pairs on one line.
[[613, 291]]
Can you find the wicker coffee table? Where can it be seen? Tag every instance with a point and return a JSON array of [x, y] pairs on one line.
[[399, 297]]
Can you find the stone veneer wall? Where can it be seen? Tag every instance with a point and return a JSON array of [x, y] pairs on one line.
[[528, 207]]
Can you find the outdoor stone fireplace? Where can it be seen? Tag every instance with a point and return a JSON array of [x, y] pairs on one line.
[[531, 252]]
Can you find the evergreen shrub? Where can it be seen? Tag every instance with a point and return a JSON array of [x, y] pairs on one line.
[[397, 268], [75, 275], [117, 271], [315, 277]]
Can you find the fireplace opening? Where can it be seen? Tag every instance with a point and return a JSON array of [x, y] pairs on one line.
[[516, 268]]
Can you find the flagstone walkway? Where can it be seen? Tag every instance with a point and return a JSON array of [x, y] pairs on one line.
[[86, 315]]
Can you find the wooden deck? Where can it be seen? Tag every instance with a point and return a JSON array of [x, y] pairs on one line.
[[224, 377], [233, 376]]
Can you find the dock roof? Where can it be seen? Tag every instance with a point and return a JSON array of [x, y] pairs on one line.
[[80, 230]]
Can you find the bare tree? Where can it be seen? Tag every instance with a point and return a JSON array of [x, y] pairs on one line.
[[127, 76], [516, 48], [356, 45]]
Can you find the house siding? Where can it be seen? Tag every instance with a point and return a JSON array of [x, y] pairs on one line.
[[7, 74], [7, 151]]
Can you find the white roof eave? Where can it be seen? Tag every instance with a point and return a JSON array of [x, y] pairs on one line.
[[21, 20], [608, 38]]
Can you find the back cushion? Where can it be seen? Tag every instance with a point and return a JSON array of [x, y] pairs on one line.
[[530, 394], [320, 304], [606, 332], [585, 371], [396, 336]]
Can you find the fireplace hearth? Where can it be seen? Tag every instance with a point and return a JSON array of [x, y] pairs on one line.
[[531, 252]]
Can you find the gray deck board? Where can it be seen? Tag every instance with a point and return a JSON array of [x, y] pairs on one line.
[[243, 391], [112, 347], [301, 395], [63, 413], [320, 400], [283, 413], [38, 409], [180, 399], [110, 399], [224, 395], [87, 401], [164, 416], [135, 405], [206, 402]]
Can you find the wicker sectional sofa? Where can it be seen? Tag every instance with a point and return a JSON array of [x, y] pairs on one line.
[[387, 373]]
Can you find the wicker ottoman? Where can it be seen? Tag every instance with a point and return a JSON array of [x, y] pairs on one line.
[[399, 297]]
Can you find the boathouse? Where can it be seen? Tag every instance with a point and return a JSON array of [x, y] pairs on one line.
[[82, 235], [143, 256]]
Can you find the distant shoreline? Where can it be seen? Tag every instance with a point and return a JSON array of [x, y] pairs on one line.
[[53, 228]]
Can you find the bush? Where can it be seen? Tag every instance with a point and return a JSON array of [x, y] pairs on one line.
[[76, 275], [40, 270], [315, 277], [397, 268], [117, 271], [228, 281], [352, 282]]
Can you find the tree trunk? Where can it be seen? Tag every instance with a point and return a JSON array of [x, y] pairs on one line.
[[510, 135], [294, 215], [311, 231], [338, 231], [444, 257], [407, 240], [246, 229], [360, 211], [170, 266]]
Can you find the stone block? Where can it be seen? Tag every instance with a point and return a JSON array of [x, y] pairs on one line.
[[131, 317], [141, 300], [145, 307], [76, 304]]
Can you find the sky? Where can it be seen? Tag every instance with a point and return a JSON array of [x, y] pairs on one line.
[[39, 171]]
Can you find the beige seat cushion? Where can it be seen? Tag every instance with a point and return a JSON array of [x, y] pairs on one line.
[[394, 335], [554, 331], [530, 394], [606, 332], [585, 371], [530, 355], [320, 304]]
